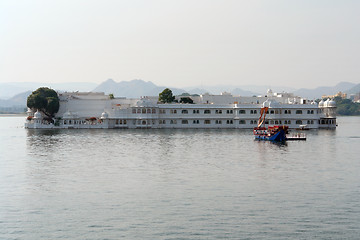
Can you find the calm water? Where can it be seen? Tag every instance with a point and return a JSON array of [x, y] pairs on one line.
[[177, 184]]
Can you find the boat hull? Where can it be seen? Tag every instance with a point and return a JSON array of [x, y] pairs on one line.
[[280, 136]]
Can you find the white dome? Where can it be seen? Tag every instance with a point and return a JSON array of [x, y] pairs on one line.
[[331, 103], [37, 115], [326, 103], [104, 115], [321, 103]]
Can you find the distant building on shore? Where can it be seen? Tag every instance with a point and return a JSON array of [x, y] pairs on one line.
[[339, 94]]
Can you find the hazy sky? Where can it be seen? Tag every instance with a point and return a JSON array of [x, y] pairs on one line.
[[296, 43]]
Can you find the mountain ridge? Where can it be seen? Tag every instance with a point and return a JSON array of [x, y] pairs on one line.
[[137, 88]]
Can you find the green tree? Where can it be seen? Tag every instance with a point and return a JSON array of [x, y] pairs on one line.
[[45, 100], [186, 100], [347, 107], [111, 96], [166, 96]]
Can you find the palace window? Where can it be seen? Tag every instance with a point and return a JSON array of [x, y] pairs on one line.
[[173, 111], [196, 122], [254, 112], [184, 122], [196, 111], [242, 121], [218, 111], [207, 121], [120, 122], [229, 121], [207, 111], [153, 110], [218, 122], [298, 122], [148, 110], [139, 110], [298, 111], [229, 111], [310, 111], [162, 111], [242, 111], [173, 122], [184, 111], [133, 110], [271, 111]]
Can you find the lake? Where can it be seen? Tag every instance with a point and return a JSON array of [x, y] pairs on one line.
[[178, 184]]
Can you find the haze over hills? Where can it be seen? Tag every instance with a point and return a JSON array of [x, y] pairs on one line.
[[138, 88], [354, 90], [8, 90], [15, 104], [319, 91], [133, 89]]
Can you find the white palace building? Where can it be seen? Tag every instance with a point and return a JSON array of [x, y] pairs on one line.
[[97, 110]]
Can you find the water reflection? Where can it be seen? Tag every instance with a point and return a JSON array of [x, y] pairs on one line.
[[168, 183], [41, 141]]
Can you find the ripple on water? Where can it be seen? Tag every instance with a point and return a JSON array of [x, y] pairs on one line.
[[177, 184]]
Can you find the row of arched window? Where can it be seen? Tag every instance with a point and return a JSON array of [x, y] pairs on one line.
[[144, 110], [206, 111], [217, 111], [207, 121]]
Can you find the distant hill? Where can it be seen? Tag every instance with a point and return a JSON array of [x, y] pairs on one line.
[[243, 90], [8, 90], [133, 89], [319, 91], [238, 91], [217, 89], [17, 93], [196, 90], [17, 100], [354, 90], [16, 104], [137, 88]]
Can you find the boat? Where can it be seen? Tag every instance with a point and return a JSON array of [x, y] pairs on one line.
[[273, 133]]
